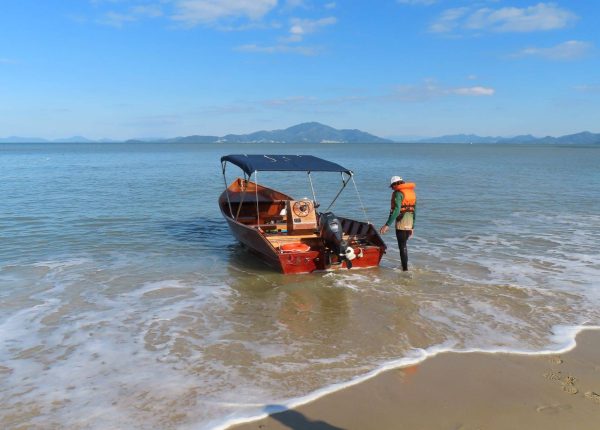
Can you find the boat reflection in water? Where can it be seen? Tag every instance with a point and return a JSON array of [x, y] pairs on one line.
[[292, 235]]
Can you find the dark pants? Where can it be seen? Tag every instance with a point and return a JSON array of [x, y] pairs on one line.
[[402, 236]]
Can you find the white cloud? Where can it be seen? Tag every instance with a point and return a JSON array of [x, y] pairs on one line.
[[135, 13], [278, 49], [194, 12], [149, 11], [7, 61], [301, 27], [430, 89], [448, 20], [427, 90], [116, 19], [541, 17], [472, 91], [226, 15], [566, 51]]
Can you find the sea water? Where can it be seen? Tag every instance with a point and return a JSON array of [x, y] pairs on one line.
[[125, 302]]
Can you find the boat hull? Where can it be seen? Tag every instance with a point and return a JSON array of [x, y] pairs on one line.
[[256, 240]]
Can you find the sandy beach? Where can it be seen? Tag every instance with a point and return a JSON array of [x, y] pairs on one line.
[[465, 391]]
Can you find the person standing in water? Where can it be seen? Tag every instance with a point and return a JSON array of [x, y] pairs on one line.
[[403, 214]]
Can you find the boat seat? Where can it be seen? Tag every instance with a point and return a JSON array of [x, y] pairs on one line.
[[266, 226], [354, 229], [278, 240], [285, 238]]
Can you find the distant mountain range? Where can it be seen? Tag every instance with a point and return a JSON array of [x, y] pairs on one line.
[[314, 132], [579, 138], [309, 132], [73, 139]]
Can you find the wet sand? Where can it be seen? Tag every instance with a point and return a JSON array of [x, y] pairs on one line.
[[468, 391]]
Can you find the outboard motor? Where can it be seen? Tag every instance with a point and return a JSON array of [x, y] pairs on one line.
[[330, 230]]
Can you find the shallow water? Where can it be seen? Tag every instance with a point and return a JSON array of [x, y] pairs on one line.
[[125, 302]]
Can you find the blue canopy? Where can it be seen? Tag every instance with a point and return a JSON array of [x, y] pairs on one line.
[[283, 163]]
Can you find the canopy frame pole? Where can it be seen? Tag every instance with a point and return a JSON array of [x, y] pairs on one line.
[[226, 188], [344, 183], [313, 190], [237, 215], [256, 193], [360, 201]]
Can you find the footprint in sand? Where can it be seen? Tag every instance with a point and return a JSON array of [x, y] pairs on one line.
[[594, 397], [567, 382], [570, 389], [552, 409], [568, 385], [555, 359], [553, 375]]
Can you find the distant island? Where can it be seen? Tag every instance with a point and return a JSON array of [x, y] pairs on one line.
[[584, 137], [314, 132]]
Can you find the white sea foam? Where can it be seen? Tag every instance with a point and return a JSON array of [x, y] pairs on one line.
[[60, 265], [355, 281], [83, 360]]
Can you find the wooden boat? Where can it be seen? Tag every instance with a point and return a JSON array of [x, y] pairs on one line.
[[292, 235]]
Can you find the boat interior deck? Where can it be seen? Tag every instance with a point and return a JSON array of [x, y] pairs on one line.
[[272, 219]]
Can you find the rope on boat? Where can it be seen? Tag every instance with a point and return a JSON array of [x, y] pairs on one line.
[[312, 189], [256, 189], [360, 200]]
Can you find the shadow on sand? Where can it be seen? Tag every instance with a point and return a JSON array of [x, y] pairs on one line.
[[295, 420]]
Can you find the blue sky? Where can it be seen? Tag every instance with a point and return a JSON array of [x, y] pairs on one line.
[[158, 68]]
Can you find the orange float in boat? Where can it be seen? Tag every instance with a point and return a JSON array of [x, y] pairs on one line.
[[295, 247]]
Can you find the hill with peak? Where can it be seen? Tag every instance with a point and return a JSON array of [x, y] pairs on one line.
[[308, 132]]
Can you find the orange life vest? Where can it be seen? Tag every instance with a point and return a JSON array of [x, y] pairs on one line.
[[409, 197]]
